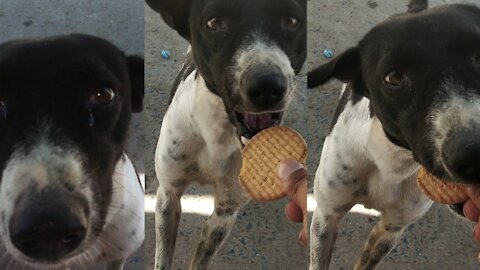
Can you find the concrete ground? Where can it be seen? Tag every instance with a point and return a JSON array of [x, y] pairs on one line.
[[120, 22], [262, 238]]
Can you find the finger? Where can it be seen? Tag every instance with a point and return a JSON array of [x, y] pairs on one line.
[[294, 177], [293, 212], [302, 237], [474, 194], [471, 211], [305, 228], [291, 172], [476, 232]]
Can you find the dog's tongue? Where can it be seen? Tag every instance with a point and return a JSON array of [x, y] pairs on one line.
[[257, 121]]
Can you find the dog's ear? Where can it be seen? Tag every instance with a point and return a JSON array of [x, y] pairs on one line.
[[135, 70], [417, 5], [175, 13], [345, 67]]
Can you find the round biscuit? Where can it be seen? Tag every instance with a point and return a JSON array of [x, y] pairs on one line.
[[261, 158], [441, 191]]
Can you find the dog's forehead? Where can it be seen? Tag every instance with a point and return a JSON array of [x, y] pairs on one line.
[[46, 59], [59, 67], [451, 29], [238, 8]]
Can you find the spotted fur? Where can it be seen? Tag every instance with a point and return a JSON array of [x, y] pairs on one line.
[[387, 129]]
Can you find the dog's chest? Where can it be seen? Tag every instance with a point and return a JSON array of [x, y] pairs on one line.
[[197, 138], [383, 174], [126, 209]]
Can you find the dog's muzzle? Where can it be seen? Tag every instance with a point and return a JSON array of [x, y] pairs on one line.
[[265, 94], [461, 155], [46, 227]]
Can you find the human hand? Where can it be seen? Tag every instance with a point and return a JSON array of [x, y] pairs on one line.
[[294, 176], [471, 210]]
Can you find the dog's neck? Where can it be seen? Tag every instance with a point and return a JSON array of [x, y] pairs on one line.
[[126, 214]]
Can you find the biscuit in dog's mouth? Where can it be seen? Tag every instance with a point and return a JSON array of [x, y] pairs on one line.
[[253, 123]]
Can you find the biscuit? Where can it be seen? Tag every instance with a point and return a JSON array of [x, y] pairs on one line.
[[261, 158], [441, 191]]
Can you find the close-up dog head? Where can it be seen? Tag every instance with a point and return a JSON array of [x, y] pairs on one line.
[[421, 72], [65, 106], [248, 52]]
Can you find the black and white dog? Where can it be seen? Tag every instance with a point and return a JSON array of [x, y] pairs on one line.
[[237, 80], [69, 196], [412, 98]]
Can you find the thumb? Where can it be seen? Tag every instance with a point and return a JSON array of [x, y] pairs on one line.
[[294, 180]]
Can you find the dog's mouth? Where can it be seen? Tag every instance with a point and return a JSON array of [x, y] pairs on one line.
[[252, 123]]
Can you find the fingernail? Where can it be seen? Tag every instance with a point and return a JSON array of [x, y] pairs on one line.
[[288, 167], [300, 239]]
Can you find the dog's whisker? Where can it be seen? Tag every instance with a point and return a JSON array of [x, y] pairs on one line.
[[126, 213], [107, 247]]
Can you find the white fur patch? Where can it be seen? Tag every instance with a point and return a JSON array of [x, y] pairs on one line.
[[198, 123], [261, 52], [49, 165], [44, 165], [453, 113]]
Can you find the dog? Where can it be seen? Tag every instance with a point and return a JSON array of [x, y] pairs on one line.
[[237, 80], [70, 197], [411, 99]]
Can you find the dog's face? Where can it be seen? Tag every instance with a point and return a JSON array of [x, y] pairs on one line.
[[248, 52], [65, 106], [421, 73]]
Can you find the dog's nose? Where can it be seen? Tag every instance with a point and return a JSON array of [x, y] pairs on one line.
[[46, 233], [266, 89], [462, 156]]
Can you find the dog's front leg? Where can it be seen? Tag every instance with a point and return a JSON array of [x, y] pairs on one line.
[[167, 216], [334, 191], [389, 230], [383, 238], [323, 235], [229, 198]]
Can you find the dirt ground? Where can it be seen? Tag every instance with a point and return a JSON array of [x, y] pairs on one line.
[[262, 238]]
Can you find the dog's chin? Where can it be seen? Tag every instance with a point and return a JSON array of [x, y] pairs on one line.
[[251, 123], [82, 257], [443, 175]]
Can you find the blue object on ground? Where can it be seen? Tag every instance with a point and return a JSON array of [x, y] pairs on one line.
[[328, 53], [166, 54]]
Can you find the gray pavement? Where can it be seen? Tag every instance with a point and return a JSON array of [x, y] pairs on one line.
[[262, 238], [120, 22]]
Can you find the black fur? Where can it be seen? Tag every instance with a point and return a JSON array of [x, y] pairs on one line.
[[213, 52], [428, 46], [50, 81]]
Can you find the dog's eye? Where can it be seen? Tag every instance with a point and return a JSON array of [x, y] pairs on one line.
[[290, 23], [395, 78], [476, 60], [217, 24], [102, 96]]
